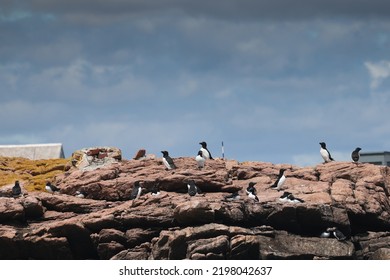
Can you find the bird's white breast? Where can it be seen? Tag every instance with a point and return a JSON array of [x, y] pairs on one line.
[[324, 153], [205, 153]]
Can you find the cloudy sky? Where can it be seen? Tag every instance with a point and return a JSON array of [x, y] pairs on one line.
[[269, 78]]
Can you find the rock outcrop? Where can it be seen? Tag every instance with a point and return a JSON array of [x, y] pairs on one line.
[[106, 224]]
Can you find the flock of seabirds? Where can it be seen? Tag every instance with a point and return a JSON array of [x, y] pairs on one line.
[[203, 155]]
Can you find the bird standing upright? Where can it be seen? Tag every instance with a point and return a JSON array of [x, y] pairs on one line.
[[192, 188], [136, 192], [325, 153], [156, 188], [200, 160], [251, 191], [355, 154], [205, 152], [16, 190], [280, 180], [168, 161]]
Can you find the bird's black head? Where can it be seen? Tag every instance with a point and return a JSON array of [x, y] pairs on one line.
[[190, 181], [16, 182], [281, 171], [165, 153], [137, 184], [323, 145], [204, 144], [251, 184], [358, 149], [285, 194], [200, 153]]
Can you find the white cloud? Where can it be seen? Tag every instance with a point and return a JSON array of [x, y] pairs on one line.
[[378, 71]]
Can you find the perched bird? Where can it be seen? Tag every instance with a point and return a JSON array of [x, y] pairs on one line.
[[291, 198], [16, 190], [251, 188], [325, 153], [156, 189], [80, 194], [284, 196], [168, 161], [337, 233], [280, 180], [355, 154], [251, 191], [192, 188], [205, 152], [51, 188], [232, 196], [136, 192], [200, 160], [325, 234]]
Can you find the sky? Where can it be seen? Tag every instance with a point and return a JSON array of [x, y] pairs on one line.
[[271, 79]]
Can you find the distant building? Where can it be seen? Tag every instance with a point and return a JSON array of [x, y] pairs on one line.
[[377, 158], [33, 151]]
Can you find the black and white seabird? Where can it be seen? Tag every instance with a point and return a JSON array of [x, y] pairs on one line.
[[232, 196], [192, 188], [251, 188], [205, 152], [291, 198], [280, 180], [168, 161], [325, 153], [200, 160], [284, 196], [51, 188], [325, 234], [16, 190], [251, 191], [156, 189], [136, 192], [80, 194], [337, 233], [355, 154]]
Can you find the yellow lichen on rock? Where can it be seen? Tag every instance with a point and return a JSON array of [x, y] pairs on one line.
[[33, 174]]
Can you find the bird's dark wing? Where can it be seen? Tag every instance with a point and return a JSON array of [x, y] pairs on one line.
[[170, 161], [209, 153]]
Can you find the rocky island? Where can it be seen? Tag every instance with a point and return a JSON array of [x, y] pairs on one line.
[[93, 215]]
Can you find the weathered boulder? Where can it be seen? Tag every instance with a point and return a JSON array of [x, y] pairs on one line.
[[92, 158]]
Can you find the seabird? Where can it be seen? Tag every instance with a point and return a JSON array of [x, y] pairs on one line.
[[205, 152], [280, 180], [232, 196], [251, 188], [337, 233], [16, 190], [284, 196], [136, 192], [251, 191], [192, 188], [156, 189], [80, 194], [51, 188], [325, 153], [355, 154], [325, 234], [293, 199], [200, 160], [168, 161]]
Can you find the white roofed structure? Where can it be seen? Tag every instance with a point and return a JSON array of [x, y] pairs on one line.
[[33, 151]]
